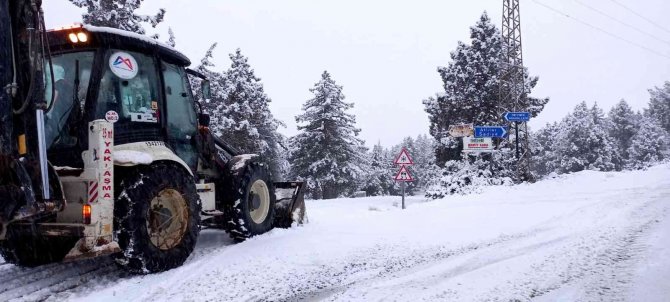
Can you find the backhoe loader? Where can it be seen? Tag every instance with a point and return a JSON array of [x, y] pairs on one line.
[[105, 151]]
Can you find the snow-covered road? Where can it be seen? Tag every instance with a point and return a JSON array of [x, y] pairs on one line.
[[590, 236]]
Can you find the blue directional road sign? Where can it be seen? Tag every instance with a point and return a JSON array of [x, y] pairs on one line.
[[490, 131], [517, 116]]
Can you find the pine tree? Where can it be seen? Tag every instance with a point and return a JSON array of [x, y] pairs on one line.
[[424, 158], [545, 158], [649, 145], [327, 152], [376, 175], [583, 144], [244, 118], [172, 41], [622, 126], [213, 105], [117, 14], [598, 115], [471, 89], [659, 105]]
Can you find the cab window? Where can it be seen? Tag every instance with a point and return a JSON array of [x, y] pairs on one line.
[[65, 94], [129, 86], [181, 118]]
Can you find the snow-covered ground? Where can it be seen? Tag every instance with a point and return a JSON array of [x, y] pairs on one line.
[[589, 236]]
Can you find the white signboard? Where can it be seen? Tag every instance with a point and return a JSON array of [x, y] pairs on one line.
[[472, 144], [461, 130]]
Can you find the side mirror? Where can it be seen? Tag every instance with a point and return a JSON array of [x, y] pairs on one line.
[[203, 119], [206, 90]]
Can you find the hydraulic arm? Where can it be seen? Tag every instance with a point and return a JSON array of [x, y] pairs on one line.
[[22, 107]]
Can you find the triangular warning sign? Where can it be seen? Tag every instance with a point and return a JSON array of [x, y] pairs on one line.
[[403, 158], [403, 175]]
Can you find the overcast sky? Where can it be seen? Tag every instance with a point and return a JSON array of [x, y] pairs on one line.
[[385, 53]]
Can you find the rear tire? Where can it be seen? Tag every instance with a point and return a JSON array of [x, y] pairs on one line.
[[249, 199], [157, 215]]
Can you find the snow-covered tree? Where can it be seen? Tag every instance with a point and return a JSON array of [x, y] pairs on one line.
[[659, 105], [583, 144], [239, 110], [327, 152], [471, 84], [649, 145], [172, 41], [466, 176], [622, 126], [425, 167], [244, 118], [217, 86], [598, 115], [376, 176], [543, 146], [117, 14]]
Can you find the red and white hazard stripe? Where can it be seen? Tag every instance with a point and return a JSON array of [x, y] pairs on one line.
[[92, 191]]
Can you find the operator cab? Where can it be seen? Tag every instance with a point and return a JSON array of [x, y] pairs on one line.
[[136, 82]]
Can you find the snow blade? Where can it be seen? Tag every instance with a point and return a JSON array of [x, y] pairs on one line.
[[290, 206]]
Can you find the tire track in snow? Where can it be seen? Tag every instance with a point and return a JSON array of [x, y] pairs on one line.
[[596, 265], [253, 282], [602, 270], [58, 281], [37, 284], [607, 274], [323, 280], [418, 260]]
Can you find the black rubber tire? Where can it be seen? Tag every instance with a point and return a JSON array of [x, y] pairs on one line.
[[135, 192], [237, 219], [30, 250]]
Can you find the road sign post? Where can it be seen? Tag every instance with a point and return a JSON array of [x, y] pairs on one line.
[[516, 138], [517, 118], [403, 194], [403, 160]]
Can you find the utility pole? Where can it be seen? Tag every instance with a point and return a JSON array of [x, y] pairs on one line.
[[512, 86]]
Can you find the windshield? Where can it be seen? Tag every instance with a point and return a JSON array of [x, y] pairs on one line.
[[65, 92], [129, 86]]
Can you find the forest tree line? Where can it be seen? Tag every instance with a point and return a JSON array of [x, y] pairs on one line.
[[329, 156]]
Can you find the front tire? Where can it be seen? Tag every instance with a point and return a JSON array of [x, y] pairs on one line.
[[249, 199], [157, 215]]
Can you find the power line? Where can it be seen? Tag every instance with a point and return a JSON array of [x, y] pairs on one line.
[[621, 22], [641, 16], [602, 30]]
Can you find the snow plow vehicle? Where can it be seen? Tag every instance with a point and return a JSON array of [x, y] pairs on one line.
[[105, 151]]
